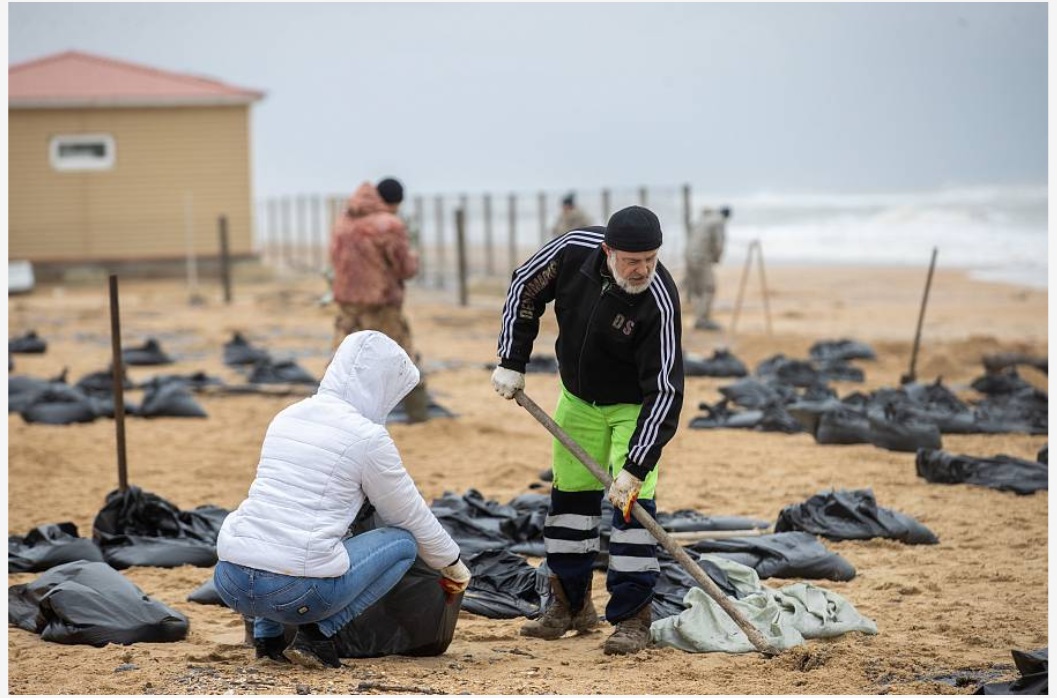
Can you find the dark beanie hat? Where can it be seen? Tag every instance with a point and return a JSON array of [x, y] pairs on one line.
[[391, 191], [634, 229]]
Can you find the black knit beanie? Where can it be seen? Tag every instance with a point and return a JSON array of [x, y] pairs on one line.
[[391, 191], [634, 229]]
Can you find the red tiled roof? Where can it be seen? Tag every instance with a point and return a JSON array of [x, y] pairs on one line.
[[75, 79]]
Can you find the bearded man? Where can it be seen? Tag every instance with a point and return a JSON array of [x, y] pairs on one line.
[[621, 368]]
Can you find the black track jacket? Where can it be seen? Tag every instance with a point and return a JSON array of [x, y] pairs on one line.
[[612, 347]]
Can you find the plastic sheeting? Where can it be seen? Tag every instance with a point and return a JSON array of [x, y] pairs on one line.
[[504, 585], [1000, 472], [852, 515], [138, 528], [789, 554], [1034, 668], [722, 364], [240, 352], [90, 603], [269, 371], [29, 343], [170, 399], [149, 353], [841, 350], [47, 546]]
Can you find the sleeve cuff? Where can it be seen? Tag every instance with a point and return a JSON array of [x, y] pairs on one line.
[[513, 364], [637, 470]]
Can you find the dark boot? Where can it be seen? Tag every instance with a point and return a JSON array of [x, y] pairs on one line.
[[558, 618], [311, 648], [270, 648], [632, 634], [416, 404]]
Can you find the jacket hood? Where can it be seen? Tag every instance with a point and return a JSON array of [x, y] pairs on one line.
[[366, 200], [371, 372]]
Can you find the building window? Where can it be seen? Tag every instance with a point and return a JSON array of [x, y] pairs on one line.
[[83, 151]]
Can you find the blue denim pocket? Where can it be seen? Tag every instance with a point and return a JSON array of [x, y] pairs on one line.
[[309, 607]]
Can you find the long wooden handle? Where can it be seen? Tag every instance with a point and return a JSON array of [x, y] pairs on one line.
[[674, 549]]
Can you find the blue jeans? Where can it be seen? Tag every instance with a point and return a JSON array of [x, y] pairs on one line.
[[378, 560]]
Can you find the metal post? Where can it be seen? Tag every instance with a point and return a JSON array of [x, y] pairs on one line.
[[543, 218], [119, 385], [763, 286], [416, 239], [606, 204], [225, 258], [286, 232], [912, 375], [302, 231], [460, 247], [441, 253], [741, 290], [512, 244], [687, 210], [319, 235], [189, 241], [489, 253], [644, 199]]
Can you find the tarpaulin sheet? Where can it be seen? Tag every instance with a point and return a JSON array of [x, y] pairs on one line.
[[851, 515], [1000, 472], [90, 603]]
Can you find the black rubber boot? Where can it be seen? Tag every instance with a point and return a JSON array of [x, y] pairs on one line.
[[311, 648], [270, 648]]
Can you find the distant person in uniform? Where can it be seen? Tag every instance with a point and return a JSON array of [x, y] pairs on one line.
[[372, 257], [570, 218], [704, 248]]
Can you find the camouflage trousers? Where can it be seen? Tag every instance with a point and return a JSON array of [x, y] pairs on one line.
[[387, 319]]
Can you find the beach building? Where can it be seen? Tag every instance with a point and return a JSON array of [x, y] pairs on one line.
[[125, 166]]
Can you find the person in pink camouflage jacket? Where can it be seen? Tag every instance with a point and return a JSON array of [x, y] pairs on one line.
[[371, 255]]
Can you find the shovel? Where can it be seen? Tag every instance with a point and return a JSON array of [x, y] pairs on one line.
[[666, 541]]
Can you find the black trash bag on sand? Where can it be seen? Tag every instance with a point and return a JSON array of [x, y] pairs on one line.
[[90, 603], [504, 585], [47, 546], [170, 399], [1034, 668], [722, 364], [240, 352], [852, 515], [149, 353], [138, 528], [1000, 472], [790, 554], [29, 343]]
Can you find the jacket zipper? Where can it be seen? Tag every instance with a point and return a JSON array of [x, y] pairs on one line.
[[606, 283]]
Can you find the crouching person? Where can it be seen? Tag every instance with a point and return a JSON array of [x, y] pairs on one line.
[[284, 557]]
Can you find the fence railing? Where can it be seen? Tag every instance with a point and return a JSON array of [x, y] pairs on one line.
[[292, 233]]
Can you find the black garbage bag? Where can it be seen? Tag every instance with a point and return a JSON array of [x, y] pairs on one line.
[[841, 350], [683, 520], [239, 352], [839, 370], [1025, 412], [771, 418], [674, 582], [851, 515], [90, 603], [475, 523], [47, 546], [781, 369], [101, 383], [1034, 668], [434, 410], [29, 343], [199, 380], [754, 393], [541, 363], [1004, 382], [206, 593], [901, 430], [138, 528], [790, 554], [1000, 472], [60, 404], [23, 390], [722, 364], [286, 371], [149, 353], [170, 399], [504, 585], [1044, 454], [843, 425]]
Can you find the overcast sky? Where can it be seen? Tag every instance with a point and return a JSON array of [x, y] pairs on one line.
[[733, 98]]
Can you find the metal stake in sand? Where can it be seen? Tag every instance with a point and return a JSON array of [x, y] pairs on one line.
[[674, 549], [911, 375], [119, 386]]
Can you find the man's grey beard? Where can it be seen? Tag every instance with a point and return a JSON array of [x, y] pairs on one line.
[[622, 281]]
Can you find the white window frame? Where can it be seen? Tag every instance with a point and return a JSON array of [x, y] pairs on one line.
[[74, 164]]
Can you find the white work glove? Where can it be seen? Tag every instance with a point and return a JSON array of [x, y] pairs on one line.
[[455, 577], [624, 491], [507, 382]]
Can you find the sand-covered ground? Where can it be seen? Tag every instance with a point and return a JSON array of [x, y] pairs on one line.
[[943, 611]]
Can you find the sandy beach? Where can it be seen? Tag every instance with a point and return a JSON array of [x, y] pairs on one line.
[[951, 610]]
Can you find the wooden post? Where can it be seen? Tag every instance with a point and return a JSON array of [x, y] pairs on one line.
[[441, 252], [606, 205], [763, 286], [460, 248], [287, 231], [489, 253], [302, 231], [273, 228], [644, 199], [741, 290], [319, 234], [119, 385], [225, 258], [192, 258], [512, 242], [912, 375], [543, 218]]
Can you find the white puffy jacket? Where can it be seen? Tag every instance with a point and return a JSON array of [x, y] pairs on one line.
[[320, 458]]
